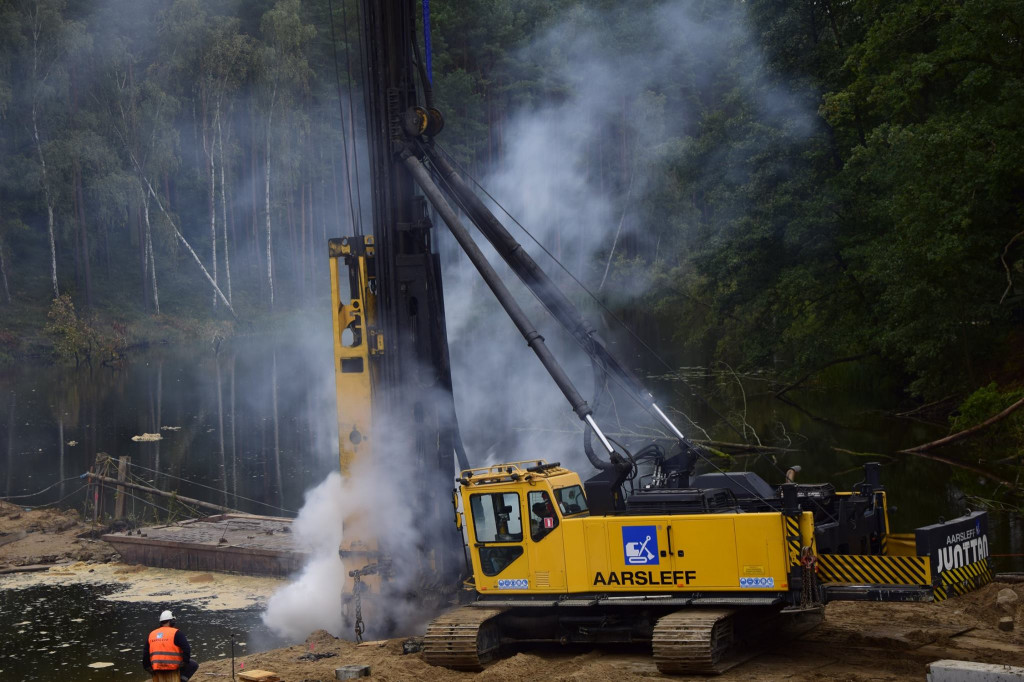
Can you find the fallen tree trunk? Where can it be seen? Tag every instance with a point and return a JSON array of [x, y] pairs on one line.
[[1012, 487], [966, 432], [180, 236], [744, 447], [162, 493]]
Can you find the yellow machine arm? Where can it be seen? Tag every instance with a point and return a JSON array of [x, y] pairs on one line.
[[356, 342]]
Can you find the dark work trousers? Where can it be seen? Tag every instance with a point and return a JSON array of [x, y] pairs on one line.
[[188, 670]]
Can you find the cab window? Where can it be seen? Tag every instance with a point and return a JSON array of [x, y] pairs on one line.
[[543, 518], [496, 517], [571, 500]]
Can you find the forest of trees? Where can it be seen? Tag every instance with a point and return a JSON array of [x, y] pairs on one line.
[[846, 182]]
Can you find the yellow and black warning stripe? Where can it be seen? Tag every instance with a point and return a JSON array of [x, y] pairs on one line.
[[793, 539], [874, 569], [957, 581]]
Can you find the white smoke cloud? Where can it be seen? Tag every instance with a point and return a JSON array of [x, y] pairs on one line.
[[626, 84], [313, 600], [375, 502]]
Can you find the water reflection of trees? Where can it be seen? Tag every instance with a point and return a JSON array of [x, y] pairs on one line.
[[245, 422]]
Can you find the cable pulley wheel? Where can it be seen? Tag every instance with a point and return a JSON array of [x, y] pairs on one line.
[[435, 123], [415, 121]]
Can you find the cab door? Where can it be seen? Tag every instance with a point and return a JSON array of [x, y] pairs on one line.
[[546, 546], [500, 560]]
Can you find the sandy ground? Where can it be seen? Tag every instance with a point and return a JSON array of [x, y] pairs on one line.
[[210, 591], [46, 536], [857, 642]]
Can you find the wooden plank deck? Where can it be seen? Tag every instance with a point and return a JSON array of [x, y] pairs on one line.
[[232, 543]]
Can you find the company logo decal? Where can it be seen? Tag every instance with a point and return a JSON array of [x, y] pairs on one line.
[[640, 545], [965, 547], [663, 578]]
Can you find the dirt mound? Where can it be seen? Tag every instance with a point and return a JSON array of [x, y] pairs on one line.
[[46, 536], [319, 639], [859, 641], [982, 604]]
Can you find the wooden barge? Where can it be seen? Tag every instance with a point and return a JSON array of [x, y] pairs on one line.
[[231, 543]]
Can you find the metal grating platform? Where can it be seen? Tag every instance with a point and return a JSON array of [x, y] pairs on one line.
[[233, 543]]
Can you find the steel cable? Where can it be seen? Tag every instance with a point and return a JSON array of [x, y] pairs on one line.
[[219, 490]]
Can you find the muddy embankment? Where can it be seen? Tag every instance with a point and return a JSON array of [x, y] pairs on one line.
[[46, 536]]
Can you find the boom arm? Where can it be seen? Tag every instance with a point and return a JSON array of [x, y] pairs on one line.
[[504, 296], [531, 274]]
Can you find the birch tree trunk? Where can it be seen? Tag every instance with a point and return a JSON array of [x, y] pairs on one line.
[[49, 203], [266, 197], [83, 233], [213, 196], [36, 34], [149, 252], [224, 205]]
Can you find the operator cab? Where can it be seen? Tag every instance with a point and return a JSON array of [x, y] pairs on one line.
[[517, 509]]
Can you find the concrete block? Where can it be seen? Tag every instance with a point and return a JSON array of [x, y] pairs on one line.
[[350, 672], [970, 671]]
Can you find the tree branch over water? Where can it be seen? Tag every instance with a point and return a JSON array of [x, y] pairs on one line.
[[807, 376], [960, 435]]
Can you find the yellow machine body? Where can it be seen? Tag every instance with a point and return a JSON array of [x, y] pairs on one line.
[[527, 537], [529, 532]]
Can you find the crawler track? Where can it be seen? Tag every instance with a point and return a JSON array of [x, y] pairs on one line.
[[693, 641], [464, 639]]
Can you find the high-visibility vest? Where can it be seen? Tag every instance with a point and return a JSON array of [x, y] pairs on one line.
[[163, 653]]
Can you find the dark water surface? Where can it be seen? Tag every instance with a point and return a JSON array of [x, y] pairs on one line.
[[54, 633], [250, 427]]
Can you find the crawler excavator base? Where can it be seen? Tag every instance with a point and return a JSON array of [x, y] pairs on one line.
[[690, 641], [466, 638], [711, 641], [693, 641]]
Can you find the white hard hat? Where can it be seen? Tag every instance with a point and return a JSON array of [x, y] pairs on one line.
[[166, 615]]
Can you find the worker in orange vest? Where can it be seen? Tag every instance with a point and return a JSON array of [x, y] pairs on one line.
[[167, 649]]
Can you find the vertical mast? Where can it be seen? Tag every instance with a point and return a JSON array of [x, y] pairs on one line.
[[395, 406]]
